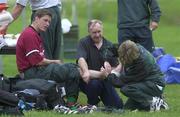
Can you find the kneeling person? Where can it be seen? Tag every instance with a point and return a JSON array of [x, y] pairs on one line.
[[139, 78]]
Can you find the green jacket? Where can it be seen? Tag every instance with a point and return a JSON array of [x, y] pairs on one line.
[[142, 69], [137, 13]]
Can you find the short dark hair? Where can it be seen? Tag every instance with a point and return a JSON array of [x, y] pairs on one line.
[[42, 12]]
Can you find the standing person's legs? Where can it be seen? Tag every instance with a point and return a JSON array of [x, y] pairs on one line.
[[143, 36], [125, 34], [57, 34], [110, 97]]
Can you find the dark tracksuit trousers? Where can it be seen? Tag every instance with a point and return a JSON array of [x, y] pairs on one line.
[[61, 73], [140, 95], [97, 90]]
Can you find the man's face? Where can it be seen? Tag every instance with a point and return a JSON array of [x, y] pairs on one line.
[[43, 22], [95, 32]]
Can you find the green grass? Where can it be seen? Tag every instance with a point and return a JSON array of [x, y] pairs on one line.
[[167, 36]]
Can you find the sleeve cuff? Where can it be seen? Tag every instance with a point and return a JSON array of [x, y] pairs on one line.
[[116, 73]]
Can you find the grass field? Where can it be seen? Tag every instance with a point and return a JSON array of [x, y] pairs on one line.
[[167, 36]]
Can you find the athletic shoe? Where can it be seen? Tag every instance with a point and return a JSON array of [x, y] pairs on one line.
[[64, 110], [87, 109], [75, 108], [164, 105], [157, 104]]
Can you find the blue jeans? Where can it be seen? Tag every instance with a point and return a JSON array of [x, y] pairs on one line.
[[97, 90]]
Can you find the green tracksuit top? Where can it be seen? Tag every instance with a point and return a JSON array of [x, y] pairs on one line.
[[142, 69], [137, 13]]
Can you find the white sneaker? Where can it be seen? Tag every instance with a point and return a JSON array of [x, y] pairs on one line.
[[87, 109], [157, 104], [64, 110], [164, 105]]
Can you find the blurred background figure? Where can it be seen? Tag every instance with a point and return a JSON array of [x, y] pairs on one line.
[[136, 21], [3, 7], [5, 16]]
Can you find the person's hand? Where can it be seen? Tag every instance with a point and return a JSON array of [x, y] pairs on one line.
[[107, 67], [104, 72], [118, 68], [58, 61], [85, 76], [153, 25], [3, 29]]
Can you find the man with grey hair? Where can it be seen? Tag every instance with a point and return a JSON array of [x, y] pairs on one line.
[[94, 52]]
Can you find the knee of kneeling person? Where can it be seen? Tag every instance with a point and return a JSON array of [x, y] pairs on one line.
[[128, 89]]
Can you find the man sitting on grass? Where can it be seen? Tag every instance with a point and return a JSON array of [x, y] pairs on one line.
[[32, 63]]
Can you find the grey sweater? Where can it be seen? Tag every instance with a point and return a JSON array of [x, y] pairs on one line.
[[137, 13]]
